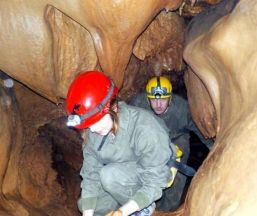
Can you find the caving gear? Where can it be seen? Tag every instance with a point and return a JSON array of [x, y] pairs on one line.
[[89, 98], [158, 87], [179, 121], [5, 80], [183, 168], [175, 165], [131, 163], [173, 169]]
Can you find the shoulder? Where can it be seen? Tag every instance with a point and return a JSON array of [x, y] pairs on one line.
[[178, 101], [140, 95], [134, 111], [138, 115], [178, 98], [139, 100]]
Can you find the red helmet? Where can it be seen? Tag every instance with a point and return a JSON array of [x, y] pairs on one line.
[[88, 98]]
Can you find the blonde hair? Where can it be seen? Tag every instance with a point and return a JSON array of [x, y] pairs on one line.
[[113, 111]]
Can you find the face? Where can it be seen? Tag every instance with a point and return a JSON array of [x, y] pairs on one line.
[[159, 106], [103, 126]]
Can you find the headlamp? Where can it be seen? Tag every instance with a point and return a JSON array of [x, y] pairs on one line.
[[73, 120], [159, 91]]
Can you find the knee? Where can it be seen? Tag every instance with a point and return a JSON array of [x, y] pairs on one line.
[[108, 177]]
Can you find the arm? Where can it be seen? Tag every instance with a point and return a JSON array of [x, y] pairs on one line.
[[152, 171], [90, 185], [154, 152], [127, 209]]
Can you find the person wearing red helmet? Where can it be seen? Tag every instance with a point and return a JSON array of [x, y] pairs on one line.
[[88, 98], [124, 171]]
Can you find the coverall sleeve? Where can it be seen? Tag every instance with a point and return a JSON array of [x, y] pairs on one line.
[[90, 185], [154, 152]]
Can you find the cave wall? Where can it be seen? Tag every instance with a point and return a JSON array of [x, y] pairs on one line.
[[224, 59], [219, 61]]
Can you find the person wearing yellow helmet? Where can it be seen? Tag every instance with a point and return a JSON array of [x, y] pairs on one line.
[[158, 90], [174, 110], [159, 87]]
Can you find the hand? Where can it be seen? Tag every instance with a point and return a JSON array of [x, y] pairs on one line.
[[115, 213]]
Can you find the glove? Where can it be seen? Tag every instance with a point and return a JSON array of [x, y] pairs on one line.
[[115, 213], [173, 170]]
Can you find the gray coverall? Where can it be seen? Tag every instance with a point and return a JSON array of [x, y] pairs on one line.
[[130, 165], [179, 122]]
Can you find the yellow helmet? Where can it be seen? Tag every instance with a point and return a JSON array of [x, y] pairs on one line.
[[158, 87]]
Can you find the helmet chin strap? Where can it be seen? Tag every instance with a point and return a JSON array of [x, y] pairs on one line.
[[74, 120]]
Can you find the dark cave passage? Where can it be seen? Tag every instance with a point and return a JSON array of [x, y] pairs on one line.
[[66, 156]]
